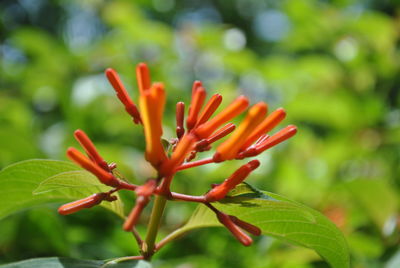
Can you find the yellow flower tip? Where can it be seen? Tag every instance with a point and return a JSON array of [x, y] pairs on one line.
[[270, 122], [143, 77], [235, 108], [151, 104], [197, 102], [230, 148]]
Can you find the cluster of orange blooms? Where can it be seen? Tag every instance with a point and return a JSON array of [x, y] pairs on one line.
[[202, 129]]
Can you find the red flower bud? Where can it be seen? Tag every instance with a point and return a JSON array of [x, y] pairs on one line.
[[266, 125], [180, 114], [141, 202], [252, 229], [220, 191], [87, 202], [84, 162], [143, 77], [241, 236], [122, 95], [234, 109], [197, 102], [90, 149], [209, 109]]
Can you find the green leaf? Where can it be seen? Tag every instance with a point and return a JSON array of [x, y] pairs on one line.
[[278, 217], [56, 262], [36, 182]]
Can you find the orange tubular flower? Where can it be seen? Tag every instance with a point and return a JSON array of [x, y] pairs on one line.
[[122, 95], [229, 149], [198, 98], [151, 105], [131, 220], [241, 236], [250, 228], [277, 138], [209, 109], [184, 147], [266, 125], [234, 109], [143, 77], [90, 149], [180, 114], [196, 85], [86, 163], [219, 134], [220, 191], [78, 205]]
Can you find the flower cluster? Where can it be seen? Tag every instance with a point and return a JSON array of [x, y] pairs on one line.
[[197, 134]]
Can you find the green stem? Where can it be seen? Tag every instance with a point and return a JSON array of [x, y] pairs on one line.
[[155, 218]]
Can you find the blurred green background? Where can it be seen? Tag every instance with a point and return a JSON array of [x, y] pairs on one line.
[[333, 65]]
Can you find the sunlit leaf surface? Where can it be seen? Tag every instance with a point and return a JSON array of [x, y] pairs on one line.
[[73, 263], [281, 218], [35, 182]]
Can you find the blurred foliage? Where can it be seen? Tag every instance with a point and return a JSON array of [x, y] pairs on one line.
[[333, 65]]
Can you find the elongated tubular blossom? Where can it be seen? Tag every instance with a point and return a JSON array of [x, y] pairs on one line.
[[184, 147], [266, 125], [196, 85], [90, 149], [143, 77], [229, 149], [131, 220], [151, 104], [261, 139], [197, 102], [219, 134], [234, 109], [180, 114], [221, 190], [241, 236], [250, 228], [212, 105], [122, 95], [275, 139], [103, 176], [143, 192], [251, 150], [78, 205]]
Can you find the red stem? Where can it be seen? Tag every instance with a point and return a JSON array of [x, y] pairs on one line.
[[189, 198], [195, 164]]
